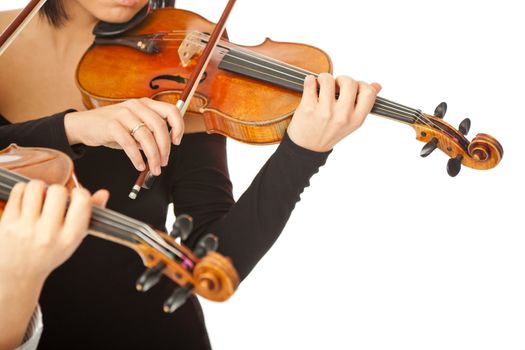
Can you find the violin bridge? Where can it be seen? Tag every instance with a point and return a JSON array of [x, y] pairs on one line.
[[190, 46]]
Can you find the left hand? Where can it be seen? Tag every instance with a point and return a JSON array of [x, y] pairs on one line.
[[39, 230], [321, 120]]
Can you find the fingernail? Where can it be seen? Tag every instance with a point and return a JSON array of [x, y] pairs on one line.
[[157, 170], [141, 167]]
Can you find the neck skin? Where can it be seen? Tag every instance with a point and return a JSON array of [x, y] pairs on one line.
[[74, 33]]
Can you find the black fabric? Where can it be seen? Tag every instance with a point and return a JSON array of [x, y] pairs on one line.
[[90, 302]]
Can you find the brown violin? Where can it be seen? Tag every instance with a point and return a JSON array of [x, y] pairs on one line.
[[246, 93], [202, 271]]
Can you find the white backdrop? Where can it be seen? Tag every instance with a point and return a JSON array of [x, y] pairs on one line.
[[385, 250]]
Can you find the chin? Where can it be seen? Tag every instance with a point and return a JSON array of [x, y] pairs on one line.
[[113, 11], [118, 14]]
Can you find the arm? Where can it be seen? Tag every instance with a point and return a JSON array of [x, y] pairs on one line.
[[46, 132], [35, 239], [133, 125], [248, 228]]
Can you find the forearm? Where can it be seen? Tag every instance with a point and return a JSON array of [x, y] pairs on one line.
[[252, 225], [46, 132], [18, 301]]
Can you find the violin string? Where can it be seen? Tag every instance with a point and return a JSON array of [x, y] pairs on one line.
[[288, 69], [105, 216], [385, 105], [299, 83], [299, 79]]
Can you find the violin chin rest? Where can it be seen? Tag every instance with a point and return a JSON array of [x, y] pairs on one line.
[[105, 29]]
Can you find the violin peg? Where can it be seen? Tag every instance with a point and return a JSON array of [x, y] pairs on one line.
[[441, 110], [177, 299], [149, 278], [429, 147], [464, 126], [454, 165], [182, 227], [207, 243]]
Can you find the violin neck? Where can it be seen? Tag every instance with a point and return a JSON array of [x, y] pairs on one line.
[[106, 223], [269, 70], [122, 229]]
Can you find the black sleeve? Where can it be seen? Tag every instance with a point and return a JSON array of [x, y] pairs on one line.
[[246, 229], [46, 132]]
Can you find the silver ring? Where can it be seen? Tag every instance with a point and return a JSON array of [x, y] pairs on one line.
[[135, 129]]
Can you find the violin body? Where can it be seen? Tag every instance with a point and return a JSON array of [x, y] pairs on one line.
[[115, 69]]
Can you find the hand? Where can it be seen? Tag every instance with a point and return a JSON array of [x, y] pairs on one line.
[[111, 126], [321, 120], [35, 238], [37, 235]]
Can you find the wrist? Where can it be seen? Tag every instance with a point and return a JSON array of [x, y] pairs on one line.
[[72, 128], [18, 301], [306, 144], [15, 287]]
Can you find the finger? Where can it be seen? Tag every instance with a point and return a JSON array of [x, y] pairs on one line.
[[78, 215], [147, 142], [326, 90], [100, 198], [377, 87], [366, 97], [347, 92], [55, 205], [157, 125], [173, 117], [13, 206], [33, 199], [123, 137], [310, 95]]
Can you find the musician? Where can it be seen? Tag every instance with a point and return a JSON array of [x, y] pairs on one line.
[[90, 302], [35, 238]]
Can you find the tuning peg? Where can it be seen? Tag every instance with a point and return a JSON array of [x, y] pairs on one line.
[[454, 165], [441, 110], [182, 227], [178, 298], [150, 277], [429, 147], [207, 243], [464, 126]]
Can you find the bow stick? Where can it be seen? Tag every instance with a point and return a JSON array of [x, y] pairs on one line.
[[182, 104], [19, 23]]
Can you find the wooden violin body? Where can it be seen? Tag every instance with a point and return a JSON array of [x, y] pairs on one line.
[[115, 69], [211, 276]]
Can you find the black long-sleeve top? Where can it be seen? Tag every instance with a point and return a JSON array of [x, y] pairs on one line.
[[90, 302]]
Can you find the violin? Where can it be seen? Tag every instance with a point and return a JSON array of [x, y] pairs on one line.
[[202, 271], [248, 93]]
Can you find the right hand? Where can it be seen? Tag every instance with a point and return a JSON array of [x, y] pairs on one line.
[[39, 230], [111, 126]]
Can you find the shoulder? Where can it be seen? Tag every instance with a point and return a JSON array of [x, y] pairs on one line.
[[6, 17]]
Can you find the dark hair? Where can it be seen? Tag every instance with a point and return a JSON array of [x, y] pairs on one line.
[[54, 12]]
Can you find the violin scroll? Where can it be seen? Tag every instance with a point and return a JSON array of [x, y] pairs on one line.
[[482, 153], [215, 277]]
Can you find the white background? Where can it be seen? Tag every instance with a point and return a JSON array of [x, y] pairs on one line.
[[385, 250]]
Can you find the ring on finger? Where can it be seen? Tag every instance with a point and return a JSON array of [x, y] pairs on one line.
[[136, 128]]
